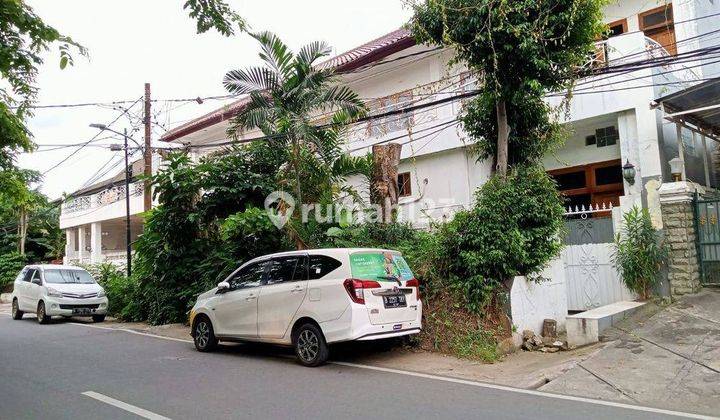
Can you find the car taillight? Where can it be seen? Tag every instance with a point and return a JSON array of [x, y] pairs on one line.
[[416, 284], [356, 289]]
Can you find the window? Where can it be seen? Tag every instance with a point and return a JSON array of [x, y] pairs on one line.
[[36, 277], [404, 186], [56, 276], [284, 269], [23, 275], [657, 18], [590, 140], [607, 136], [618, 27], [249, 276], [570, 180], [321, 265], [608, 175], [657, 24]]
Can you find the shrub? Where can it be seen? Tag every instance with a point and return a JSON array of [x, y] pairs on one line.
[[121, 291], [638, 252], [10, 265], [513, 229]]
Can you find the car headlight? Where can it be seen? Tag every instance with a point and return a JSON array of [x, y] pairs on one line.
[[53, 292], [101, 293]]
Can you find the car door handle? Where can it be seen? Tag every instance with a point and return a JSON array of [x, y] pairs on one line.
[[251, 297], [296, 289]]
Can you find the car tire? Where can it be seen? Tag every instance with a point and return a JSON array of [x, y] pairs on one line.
[[42, 316], [311, 348], [16, 312], [204, 335], [98, 318]]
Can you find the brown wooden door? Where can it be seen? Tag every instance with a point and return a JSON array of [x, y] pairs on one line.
[[666, 38]]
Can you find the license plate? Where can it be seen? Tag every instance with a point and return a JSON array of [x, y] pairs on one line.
[[394, 301], [81, 311]]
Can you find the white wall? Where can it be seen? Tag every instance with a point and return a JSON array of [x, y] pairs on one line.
[[532, 302]]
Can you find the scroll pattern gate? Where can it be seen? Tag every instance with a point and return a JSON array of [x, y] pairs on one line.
[[707, 227], [592, 280]]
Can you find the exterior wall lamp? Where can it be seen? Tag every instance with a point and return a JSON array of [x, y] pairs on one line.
[[628, 171], [676, 168]]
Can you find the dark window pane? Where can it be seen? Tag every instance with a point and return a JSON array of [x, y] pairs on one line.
[[606, 136], [29, 274], [404, 186], [250, 276], [660, 17], [616, 30], [570, 181], [282, 269], [608, 175], [321, 265], [301, 271], [590, 140]]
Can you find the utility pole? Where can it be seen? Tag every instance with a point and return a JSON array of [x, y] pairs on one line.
[[147, 155], [128, 236]]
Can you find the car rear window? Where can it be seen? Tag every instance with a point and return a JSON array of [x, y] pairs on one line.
[[380, 266], [56, 276], [322, 265]]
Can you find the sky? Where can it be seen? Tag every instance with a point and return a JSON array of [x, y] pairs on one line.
[[131, 42]]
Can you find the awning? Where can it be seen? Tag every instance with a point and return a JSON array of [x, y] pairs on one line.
[[698, 106]]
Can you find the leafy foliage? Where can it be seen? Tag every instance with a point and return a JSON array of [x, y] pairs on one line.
[[287, 94], [207, 224], [638, 252], [10, 265], [24, 38], [122, 291], [533, 132], [215, 14], [512, 230]]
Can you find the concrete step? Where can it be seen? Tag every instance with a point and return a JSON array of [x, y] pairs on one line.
[[585, 327]]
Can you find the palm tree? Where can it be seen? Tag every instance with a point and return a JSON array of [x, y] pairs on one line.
[[287, 96]]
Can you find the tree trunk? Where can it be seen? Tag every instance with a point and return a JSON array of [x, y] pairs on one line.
[[296, 164], [502, 140], [22, 231], [384, 189]]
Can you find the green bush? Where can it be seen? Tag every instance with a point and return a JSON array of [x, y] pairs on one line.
[[10, 266], [514, 229], [121, 291], [638, 252]]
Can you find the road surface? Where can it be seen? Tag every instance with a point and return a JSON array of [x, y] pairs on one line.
[[68, 371]]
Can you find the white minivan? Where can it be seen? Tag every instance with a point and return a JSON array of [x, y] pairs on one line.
[[57, 290], [309, 299]]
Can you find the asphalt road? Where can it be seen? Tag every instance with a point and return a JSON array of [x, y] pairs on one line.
[[46, 369]]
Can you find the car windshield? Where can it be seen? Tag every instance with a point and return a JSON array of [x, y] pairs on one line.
[[57, 276], [382, 266]]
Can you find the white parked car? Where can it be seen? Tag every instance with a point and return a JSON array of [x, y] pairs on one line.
[[52, 290], [309, 299]]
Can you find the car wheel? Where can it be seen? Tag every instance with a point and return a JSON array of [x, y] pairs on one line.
[[98, 318], [310, 346], [16, 312], [42, 317], [204, 335]]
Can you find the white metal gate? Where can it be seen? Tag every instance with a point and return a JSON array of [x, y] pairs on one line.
[[591, 279]]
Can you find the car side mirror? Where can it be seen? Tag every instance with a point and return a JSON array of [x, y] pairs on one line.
[[223, 287], [36, 281]]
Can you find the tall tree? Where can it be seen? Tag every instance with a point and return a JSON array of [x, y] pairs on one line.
[[216, 14], [522, 49], [288, 94]]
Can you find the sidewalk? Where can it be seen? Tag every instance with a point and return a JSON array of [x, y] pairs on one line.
[[661, 357]]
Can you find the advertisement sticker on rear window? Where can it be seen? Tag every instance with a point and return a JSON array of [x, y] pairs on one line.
[[379, 266]]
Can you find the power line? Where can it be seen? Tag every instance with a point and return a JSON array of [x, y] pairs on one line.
[[94, 138]]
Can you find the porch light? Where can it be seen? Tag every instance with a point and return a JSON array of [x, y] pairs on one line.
[[628, 171], [676, 168]]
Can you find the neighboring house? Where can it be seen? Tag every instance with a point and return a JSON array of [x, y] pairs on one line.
[[610, 120], [94, 222]]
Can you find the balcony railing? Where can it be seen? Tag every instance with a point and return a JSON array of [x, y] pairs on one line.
[[102, 198]]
